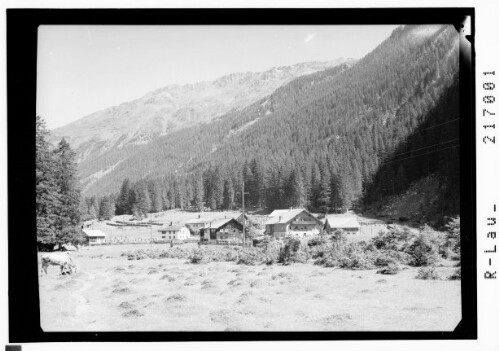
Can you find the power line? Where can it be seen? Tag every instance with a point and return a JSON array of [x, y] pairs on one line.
[[426, 147], [427, 153], [436, 125]]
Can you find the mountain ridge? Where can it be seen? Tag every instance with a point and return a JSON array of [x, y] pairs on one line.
[[174, 107]]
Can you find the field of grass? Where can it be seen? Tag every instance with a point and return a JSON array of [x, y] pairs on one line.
[[111, 293]]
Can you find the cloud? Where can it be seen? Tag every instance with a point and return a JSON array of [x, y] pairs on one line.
[[310, 37]]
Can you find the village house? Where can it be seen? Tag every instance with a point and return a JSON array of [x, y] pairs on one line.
[[223, 231], [348, 224], [195, 225], [94, 237], [292, 222], [174, 232], [240, 218]]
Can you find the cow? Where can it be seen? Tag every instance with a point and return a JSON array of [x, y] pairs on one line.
[[61, 259]]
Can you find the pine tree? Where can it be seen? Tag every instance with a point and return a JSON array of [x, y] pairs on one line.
[[69, 194], [123, 205], [141, 201], [106, 208], [256, 184], [296, 190], [199, 192], [47, 195], [229, 194], [155, 196], [324, 190]]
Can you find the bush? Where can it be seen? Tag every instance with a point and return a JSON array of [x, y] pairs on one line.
[[293, 251], [251, 257], [427, 273], [453, 237], [396, 239], [197, 257], [392, 268], [317, 241], [422, 252], [351, 256], [456, 275], [271, 251]]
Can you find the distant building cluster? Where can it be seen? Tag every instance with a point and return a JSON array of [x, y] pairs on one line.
[[280, 224]]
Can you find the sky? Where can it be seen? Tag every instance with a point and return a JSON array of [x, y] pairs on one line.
[[84, 69]]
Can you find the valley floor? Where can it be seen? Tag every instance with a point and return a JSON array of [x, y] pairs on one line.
[[110, 293]]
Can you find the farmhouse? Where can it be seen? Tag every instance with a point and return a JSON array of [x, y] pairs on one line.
[[94, 237], [224, 230], [176, 232], [348, 224], [195, 225], [240, 218], [292, 222]]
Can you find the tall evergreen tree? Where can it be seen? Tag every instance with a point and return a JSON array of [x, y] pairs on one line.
[[155, 196], [69, 194], [324, 189], [296, 190], [106, 208], [123, 204], [47, 194], [229, 194], [141, 201], [198, 192]]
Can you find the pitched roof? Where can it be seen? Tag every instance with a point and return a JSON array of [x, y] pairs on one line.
[[197, 220], [340, 221], [92, 233], [219, 222], [175, 228], [284, 216]]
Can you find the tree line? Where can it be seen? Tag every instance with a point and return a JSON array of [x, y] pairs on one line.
[[57, 191]]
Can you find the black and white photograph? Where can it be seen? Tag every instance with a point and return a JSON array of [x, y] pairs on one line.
[[248, 178]]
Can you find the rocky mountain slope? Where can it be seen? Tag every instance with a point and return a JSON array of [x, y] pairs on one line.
[[175, 107]]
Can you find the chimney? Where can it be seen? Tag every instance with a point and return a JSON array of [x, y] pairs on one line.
[[199, 216], [280, 217], [171, 223]]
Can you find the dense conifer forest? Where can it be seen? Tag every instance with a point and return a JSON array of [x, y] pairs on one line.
[[340, 138]]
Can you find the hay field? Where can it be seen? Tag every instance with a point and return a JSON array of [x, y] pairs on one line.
[[110, 293]]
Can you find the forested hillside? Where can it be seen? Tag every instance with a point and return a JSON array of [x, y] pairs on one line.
[[322, 141]]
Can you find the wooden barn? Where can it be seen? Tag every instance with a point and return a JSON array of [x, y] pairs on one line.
[[94, 237], [292, 222], [223, 231], [348, 224]]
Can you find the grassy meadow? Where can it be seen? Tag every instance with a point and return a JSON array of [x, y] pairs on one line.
[[111, 293]]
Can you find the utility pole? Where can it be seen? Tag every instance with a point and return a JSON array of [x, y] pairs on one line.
[[244, 219]]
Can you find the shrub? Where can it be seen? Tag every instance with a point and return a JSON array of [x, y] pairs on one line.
[[427, 273], [354, 256], [422, 252], [251, 257], [396, 239], [271, 251], [392, 268], [453, 236], [197, 257], [293, 251], [456, 275], [317, 241]]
